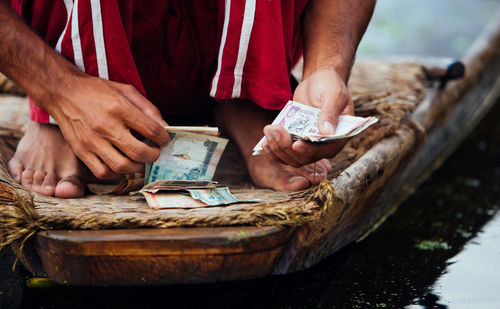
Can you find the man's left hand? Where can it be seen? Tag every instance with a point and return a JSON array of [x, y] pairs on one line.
[[323, 89]]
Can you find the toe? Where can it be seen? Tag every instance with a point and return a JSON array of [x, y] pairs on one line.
[[295, 183], [16, 170], [327, 164], [48, 186], [70, 186], [27, 178], [314, 173], [38, 177]]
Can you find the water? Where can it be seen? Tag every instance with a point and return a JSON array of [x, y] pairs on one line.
[[439, 249], [425, 27]]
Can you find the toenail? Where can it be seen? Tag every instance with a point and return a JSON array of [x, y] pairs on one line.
[[48, 188], [295, 178]]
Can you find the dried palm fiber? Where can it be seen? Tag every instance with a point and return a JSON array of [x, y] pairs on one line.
[[8, 86], [389, 91]]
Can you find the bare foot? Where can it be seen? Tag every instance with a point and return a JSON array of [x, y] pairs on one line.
[[245, 121], [45, 163]]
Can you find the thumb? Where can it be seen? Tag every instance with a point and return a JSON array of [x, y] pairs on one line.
[[331, 107]]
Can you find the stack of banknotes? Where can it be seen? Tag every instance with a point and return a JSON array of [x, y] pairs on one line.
[[182, 175], [301, 121], [164, 194]]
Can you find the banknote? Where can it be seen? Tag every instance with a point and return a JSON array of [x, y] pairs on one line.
[[188, 156], [214, 197], [180, 183], [301, 121], [177, 185], [166, 200], [213, 131], [191, 198]]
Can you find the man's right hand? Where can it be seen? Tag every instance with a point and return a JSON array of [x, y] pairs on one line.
[[97, 117]]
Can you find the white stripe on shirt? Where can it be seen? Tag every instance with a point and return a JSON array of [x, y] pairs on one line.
[[75, 38], [246, 31], [69, 6], [100, 50], [215, 81]]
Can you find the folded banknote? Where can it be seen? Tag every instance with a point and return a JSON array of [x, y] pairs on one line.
[[301, 121]]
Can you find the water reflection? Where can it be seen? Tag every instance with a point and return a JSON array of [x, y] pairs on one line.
[[479, 262], [392, 269]]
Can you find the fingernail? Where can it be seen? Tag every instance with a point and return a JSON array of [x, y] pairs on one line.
[[164, 123], [301, 150], [328, 128], [295, 178], [269, 138], [265, 147], [276, 136]]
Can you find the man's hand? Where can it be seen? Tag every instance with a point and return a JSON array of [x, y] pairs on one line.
[[323, 89], [332, 30], [96, 117]]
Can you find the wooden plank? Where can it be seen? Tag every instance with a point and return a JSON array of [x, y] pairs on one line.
[[119, 270], [177, 241], [160, 256]]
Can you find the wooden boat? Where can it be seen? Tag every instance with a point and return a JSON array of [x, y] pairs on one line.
[[356, 201]]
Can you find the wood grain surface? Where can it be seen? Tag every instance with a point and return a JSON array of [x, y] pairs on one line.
[[160, 256]]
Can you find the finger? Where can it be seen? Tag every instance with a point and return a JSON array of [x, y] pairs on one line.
[[134, 149], [349, 108], [136, 98], [147, 127], [307, 151], [317, 151], [279, 141], [332, 104], [99, 169], [117, 162], [270, 155]]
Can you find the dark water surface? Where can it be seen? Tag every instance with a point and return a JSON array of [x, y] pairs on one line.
[[441, 248]]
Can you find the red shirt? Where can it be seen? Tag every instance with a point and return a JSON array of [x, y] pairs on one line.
[[178, 53]]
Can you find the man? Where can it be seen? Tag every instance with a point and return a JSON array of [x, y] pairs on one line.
[[99, 65]]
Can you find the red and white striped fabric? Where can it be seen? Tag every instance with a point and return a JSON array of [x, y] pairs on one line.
[[177, 53]]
